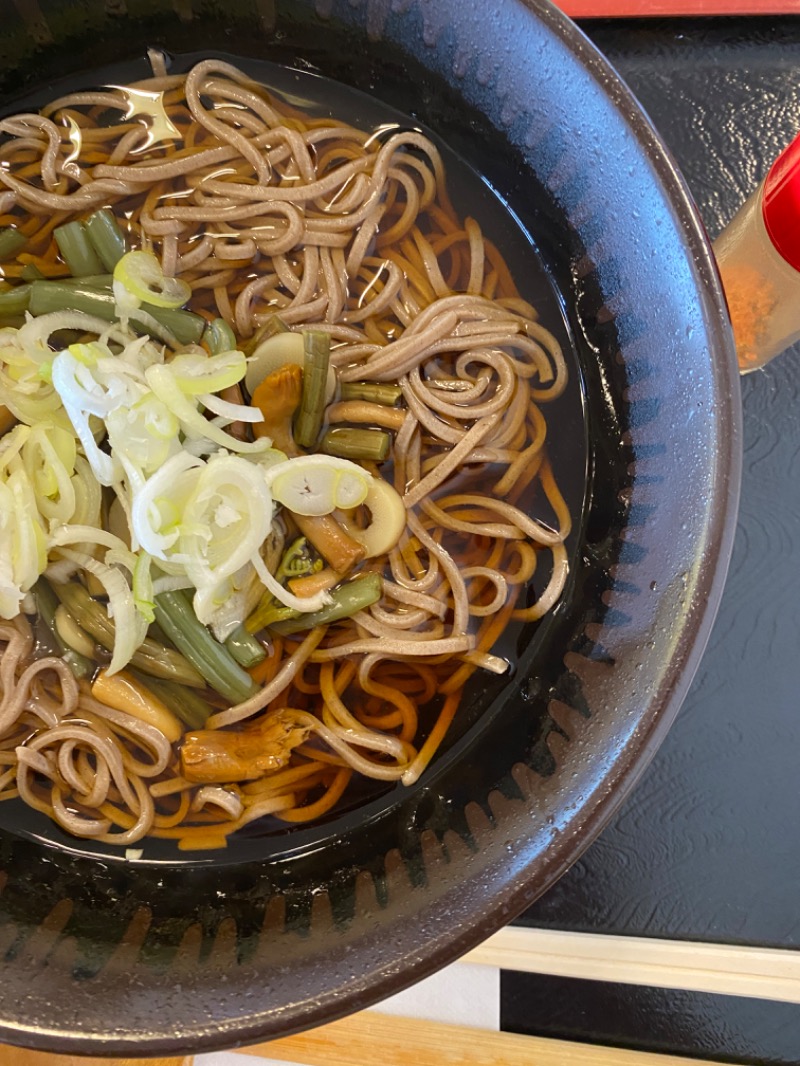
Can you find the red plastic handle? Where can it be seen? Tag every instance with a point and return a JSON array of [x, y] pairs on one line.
[[781, 204]]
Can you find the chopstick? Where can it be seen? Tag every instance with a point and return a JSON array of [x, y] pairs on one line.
[[369, 1037], [726, 969]]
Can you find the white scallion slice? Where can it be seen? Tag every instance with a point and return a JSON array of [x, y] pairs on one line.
[[318, 484]]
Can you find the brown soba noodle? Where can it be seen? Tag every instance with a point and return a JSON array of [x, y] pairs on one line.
[[266, 211]]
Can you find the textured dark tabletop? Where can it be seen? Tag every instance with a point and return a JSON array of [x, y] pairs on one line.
[[708, 845]]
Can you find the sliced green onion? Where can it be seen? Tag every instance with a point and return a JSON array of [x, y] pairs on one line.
[[372, 391], [76, 249], [47, 296], [184, 702], [308, 423], [220, 337], [244, 647], [150, 658], [11, 243], [106, 237], [216, 664], [140, 274], [347, 443], [15, 301], [47, 604], [348, 599]]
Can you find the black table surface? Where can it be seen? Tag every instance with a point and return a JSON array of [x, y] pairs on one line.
[[708, 846]]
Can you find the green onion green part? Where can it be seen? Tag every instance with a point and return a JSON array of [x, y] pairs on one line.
[[243, 646], [347, 443], [220, 337], [149, 657], [372, 392], [47, 605], [348, 599], [216, 664], [106, 237], [11, 243], [47, 296], [76, 249], [308, 423]]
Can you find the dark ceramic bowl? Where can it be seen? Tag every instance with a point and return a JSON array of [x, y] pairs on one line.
[[106, 956]]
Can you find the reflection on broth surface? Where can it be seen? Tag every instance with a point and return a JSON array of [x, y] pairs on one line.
[[276, 478]]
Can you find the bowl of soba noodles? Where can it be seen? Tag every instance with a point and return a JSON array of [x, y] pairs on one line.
[[368, 464]]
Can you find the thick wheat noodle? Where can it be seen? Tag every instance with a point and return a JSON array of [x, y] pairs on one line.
[[440, 516], [349, 197], [406, 707], [142, 820], [406, 622], [42, 706], [291, 280], [193, 88], [438, 385], [501, 589], [279, 683], [88, 196], [449, 569], [428, 749], [431, 399], [218, 797], [19, 637], [147, 737], [76, 732], [390, 361], [523, 459], [15, 695], [127, 143], [337, 717], [21, 124], [511, 431], [474, 435], [363, 239], [169, 255], [242, 310], [213, 281], [332, 286], [298, 312], [555, 586], [476, 254], [223, 302], [409, 214], [337, 740], [380, 303], [477, 455], [242, 250], [404, 579], [392, 365]]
